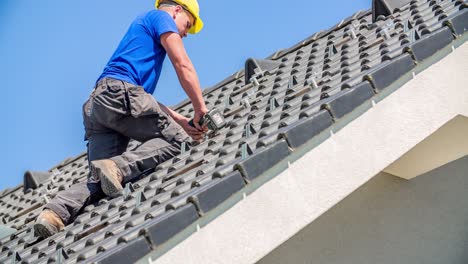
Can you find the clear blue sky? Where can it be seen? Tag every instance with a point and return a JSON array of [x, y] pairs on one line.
[[52, 51]]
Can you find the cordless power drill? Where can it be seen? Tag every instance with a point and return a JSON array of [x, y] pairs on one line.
[[214, 120]]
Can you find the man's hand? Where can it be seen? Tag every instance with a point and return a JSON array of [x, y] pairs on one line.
[[193, 132], [196, 119], [197, 132]]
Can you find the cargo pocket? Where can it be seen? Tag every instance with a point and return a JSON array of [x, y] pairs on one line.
[[171, 130], [141, 103], [111, 96]]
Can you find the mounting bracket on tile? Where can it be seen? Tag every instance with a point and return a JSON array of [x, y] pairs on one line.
[[407, 26], [386, 34], [353, 34], [312, 83], [55, 172], [127, 190], [61, 256], [246, 151], [183, 147], [272, 104], [245, 103], [413, 35], [15, 257], [228, 101], [254, 80], [140, 198], [331, 50], [45, 199], [249, 130], [292, 82]]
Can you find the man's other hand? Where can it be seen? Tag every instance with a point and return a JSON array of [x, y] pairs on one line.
[[193, 132]]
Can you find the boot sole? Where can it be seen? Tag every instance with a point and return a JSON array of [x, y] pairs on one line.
[[110, 186], [42, 230]]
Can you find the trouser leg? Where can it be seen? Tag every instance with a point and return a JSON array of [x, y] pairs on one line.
[[149, 154], [69, 203]]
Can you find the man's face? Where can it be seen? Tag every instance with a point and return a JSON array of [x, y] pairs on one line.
[[184, 21]]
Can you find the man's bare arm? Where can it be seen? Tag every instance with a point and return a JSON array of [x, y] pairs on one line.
[[186, 73], [176, 116], [183, 122]]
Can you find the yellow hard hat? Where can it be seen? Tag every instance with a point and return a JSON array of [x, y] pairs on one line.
[[192, 7]]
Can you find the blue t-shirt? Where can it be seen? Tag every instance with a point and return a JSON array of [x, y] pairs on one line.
[[140, 55]]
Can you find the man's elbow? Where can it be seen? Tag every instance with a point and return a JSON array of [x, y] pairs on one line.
[[183, 67]]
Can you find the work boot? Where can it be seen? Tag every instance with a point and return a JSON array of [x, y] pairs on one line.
[[47, 224], [109, 174]]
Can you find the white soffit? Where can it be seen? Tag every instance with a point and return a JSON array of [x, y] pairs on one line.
[[447, 144]]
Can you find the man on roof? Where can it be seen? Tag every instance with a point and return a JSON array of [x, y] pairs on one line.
[[121, 108]]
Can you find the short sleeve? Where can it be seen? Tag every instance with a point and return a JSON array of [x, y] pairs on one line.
[[158, 22]]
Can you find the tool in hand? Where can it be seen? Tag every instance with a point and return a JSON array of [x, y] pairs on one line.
[[214, 120]]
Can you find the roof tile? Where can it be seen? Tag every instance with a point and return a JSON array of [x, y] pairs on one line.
[[391, 71]]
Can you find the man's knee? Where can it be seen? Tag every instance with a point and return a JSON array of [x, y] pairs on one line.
[[165, 149], [170, 151]]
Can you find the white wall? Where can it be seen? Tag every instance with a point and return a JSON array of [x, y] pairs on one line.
[[390, 220]]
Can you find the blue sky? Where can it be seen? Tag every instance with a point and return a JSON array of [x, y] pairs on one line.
[[52, 51]]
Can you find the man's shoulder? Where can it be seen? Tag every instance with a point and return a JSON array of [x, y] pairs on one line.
[[157, 22], [154, 14]]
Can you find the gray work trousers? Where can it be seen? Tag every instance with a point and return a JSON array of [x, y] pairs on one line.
[[118, 113]]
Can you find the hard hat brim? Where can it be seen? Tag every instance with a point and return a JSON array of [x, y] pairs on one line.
[[197, 27]]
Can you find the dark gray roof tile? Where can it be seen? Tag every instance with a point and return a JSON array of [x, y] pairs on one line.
[[263, 159], [125, 252], [160, 229], [427, 46], [306, 128], [391, 71], [217, 191], [348, 99], [459, 22]]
